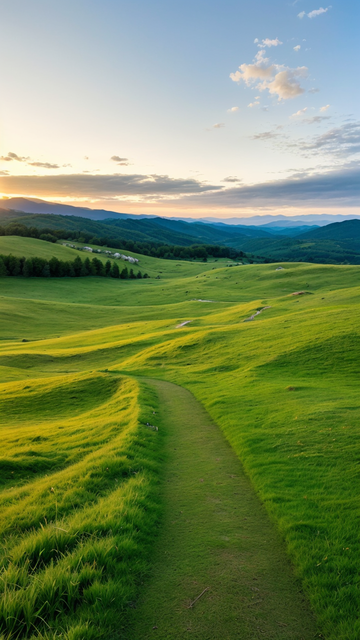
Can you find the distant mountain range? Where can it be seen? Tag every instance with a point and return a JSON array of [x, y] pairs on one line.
[[272, 223], [320, 240], [27, 205], [282, 222]]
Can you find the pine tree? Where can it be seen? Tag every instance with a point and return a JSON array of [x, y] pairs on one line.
[[46, 271], [28, 268], [54, 265], [107, 268], [124, 274], [96, 266], [71, 271], [86, 268], [14, 266], [3, 269], [87, 265], [115, 273], [93, 267], [77, 266]]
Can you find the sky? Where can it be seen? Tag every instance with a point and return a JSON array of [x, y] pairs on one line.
[[194, 108]]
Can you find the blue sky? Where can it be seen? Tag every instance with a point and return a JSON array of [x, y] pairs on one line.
[[182, 108]]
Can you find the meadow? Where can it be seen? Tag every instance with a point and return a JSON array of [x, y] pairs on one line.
[[83, 475]]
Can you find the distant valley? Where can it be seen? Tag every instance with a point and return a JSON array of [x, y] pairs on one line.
[[306, 239]]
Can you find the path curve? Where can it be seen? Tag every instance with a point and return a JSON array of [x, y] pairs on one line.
[[216, 540], [257, 313]]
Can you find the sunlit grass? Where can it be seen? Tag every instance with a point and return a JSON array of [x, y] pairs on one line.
[[79, 506], [283, 388]]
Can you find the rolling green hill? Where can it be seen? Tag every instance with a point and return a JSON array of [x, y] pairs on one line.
[[155, 230], [33, 247], [83, 477], [337, 243], [345, 233], [332, 244]]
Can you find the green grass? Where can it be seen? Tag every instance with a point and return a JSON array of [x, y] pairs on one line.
[[79, 506], [34, 248], [283, 389]]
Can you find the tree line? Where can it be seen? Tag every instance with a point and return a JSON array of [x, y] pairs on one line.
[[54, 268], [153, 249]]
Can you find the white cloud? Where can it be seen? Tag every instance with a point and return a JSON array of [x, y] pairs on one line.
[[269, 43], [261, 58], [120, 161], [299, 113], [232, 179], [11, 156], [45, 165], [277, 79], [218, 125], [318, 12], [325, 108], [297, 48], [285, 84], [250, 72], [233, 109], [253, 104], [256, 40], [341, 141], [316, 119], [314, 13], [265, 135]]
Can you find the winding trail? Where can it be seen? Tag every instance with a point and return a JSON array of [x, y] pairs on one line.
[[257, 313], [215, 541]]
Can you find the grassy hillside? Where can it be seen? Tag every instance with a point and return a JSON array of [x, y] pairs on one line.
[[283, 388], [33, 248], [138, 230], [335, 243], [79, 504], [347, 231], [155, 267]]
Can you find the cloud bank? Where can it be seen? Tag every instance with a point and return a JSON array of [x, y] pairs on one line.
[[335, 188], [340, 186], [13, 157], [102, 186], [278, 80]]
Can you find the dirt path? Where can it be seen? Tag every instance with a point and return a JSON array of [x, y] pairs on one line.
[[257, 313], [215, 535]]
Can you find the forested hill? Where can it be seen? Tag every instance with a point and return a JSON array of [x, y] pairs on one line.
[[157, 230], [336, 243], [27, 206], [347, 231]]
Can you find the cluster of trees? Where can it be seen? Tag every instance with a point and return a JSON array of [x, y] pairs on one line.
[[156, 250], [40, 268], [196, 251]]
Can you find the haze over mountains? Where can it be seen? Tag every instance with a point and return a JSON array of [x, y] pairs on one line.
[[31, 205], [307, 238]]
